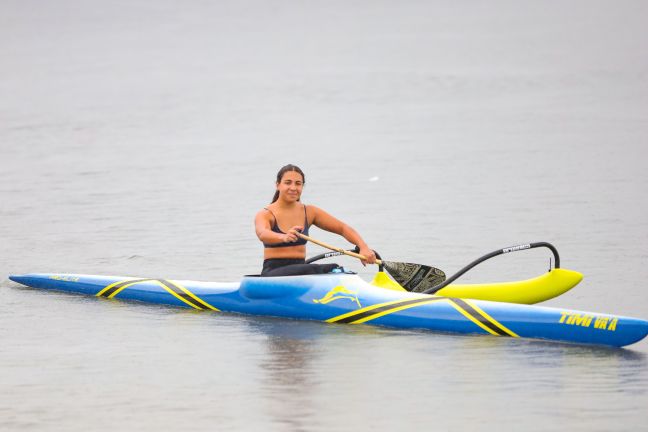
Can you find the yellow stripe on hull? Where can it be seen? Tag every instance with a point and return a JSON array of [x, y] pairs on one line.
[[172, 287], [200, 301]]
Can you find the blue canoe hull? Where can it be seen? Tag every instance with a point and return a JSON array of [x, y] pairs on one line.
[[346, 298]]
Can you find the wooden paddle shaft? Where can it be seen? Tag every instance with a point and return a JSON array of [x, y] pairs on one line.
[[333, 248]]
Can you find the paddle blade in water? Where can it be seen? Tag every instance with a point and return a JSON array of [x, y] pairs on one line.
[[414, 277]]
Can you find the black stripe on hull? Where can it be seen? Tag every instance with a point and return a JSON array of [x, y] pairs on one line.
[[170, 287], [386, 308], [478, 316], [185, 297], [117, 287]]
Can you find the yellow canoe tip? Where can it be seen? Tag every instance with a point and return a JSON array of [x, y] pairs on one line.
[[382, 280]]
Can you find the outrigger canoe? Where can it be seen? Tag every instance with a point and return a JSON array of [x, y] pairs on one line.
[[346, 298]]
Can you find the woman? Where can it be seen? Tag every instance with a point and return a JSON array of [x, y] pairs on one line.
[[278, 224]]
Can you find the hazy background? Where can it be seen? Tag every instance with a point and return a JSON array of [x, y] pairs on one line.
[[141, 137]]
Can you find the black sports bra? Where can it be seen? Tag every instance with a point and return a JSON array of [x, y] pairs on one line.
[[275, 228]]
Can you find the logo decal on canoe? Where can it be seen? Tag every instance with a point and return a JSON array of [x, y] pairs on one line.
[[65, 278], [337, 293], [584, 320], [516, 248]]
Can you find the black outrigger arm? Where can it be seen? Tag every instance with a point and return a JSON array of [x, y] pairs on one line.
[[506, 250]]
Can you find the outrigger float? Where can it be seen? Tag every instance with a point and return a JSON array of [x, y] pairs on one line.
[[346, 298]]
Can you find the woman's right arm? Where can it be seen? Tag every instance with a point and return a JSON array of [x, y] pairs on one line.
[[263, 226]]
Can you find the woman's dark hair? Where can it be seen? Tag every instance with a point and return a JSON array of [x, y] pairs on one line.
[[283, 171]]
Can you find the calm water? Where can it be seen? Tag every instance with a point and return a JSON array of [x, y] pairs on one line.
[[140, 138]]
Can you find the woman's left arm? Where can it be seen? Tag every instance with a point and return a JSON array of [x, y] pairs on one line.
[[329, 223]]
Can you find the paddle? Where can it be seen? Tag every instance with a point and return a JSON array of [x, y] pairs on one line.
[[412, 277]]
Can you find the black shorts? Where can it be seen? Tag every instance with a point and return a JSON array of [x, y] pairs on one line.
[[294, 267]]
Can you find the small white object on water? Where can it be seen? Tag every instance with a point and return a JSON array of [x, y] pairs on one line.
[[373, 179]]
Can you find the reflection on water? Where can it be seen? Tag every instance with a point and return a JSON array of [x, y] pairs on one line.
[[410, 371], [289, 378], [301, 375]]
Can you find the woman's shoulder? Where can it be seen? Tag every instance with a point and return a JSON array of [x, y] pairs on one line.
[[265, 212], [314, 208], [311, 212]]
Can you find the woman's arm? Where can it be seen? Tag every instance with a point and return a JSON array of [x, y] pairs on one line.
[[263, 226], [329, 223]]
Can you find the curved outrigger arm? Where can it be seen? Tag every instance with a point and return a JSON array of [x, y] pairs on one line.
[[493, 254]]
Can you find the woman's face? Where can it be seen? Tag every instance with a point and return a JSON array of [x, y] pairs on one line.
[[290, 187]]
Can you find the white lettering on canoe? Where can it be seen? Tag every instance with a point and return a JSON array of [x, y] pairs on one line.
[[65, 278], [516, 248]]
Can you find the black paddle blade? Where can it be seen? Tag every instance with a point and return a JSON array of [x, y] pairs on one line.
[[414, 277]]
